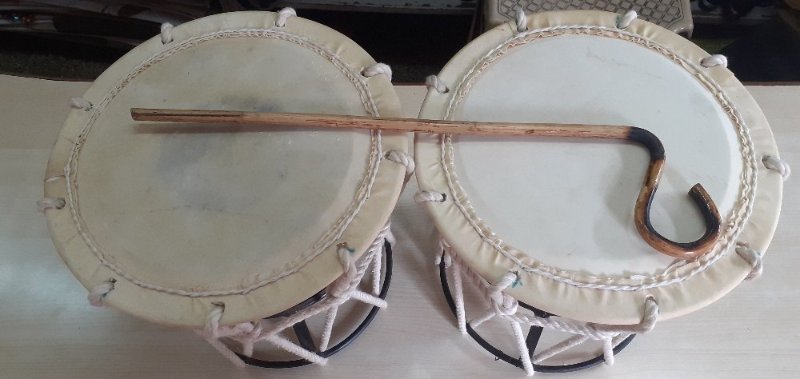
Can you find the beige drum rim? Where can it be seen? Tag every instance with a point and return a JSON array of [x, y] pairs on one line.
[[298, 284], [678, 292]]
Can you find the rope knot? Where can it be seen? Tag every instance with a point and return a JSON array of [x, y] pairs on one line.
[[507, 306], [503, 303], [212, 320], [754, 258], [714, 60], [647, 323], [284, 15], [99, 292], [166, 33], [50, 203], [650, 315], [249, 339], [344, 285], [521, 20], [776, 164], [402, 158], [389, 237], [505, 281], [433, 81], [626, 20], [444, 258], [378, 69]]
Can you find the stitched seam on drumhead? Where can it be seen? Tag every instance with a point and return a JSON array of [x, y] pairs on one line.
[[329, 237], [734, 224]]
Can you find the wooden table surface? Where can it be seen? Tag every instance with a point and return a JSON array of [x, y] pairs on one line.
[[47, 328]]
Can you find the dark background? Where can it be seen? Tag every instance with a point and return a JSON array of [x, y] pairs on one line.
[[53, 39]]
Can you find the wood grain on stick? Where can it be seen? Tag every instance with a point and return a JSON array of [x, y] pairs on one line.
[[409, 125]]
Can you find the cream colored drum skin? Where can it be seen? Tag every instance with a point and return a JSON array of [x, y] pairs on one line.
[[179, 221], [560, 213]]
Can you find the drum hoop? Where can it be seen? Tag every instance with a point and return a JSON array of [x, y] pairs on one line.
[[735, 221], [326, 240]]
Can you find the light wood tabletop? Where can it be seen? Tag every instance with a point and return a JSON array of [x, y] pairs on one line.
[[48, 329]]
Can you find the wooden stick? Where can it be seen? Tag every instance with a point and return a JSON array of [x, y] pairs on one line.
[[409, 125], [682, 250]]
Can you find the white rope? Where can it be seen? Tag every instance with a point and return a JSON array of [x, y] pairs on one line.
[[378, 69], [486, 316], [438, 260], [390, 238], [224, 350], [404, 159], [213, 332], [50, 203], [98, 293], [619, 338], [324, 304], [458, 299], [624, 21], [344, 288], [377, 267], [444, 247], [249, 339], [166, 33], [776, 164], [714, 60], [212, 320], [284, 15], [525, 355], [291, 347], [521, 20], [647, 324], [341, 285], [560, 348], [754, 258], [369, 299], [330, 316], [608, 351], [80, 103], [340, 288], [433, 81], [501, 304], [505, 281], [429, 196], [504, 306]]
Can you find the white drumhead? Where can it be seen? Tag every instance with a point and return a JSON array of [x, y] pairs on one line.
[[184, 216], [560, 211]]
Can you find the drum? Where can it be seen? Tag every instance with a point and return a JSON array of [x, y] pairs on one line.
[[544, 228], [241, 235]]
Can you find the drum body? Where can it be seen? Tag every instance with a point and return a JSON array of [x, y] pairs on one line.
[[558, 213], [214, 227]]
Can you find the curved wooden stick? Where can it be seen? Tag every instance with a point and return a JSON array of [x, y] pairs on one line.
[[682, 250]]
